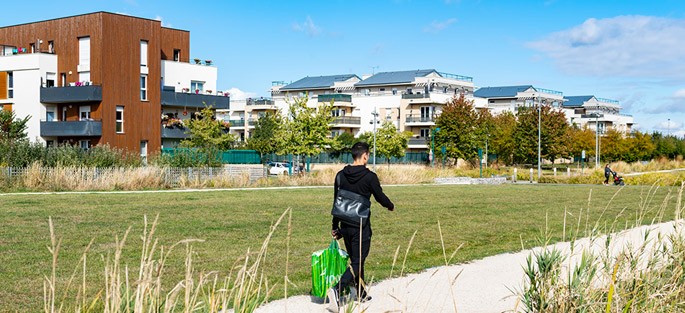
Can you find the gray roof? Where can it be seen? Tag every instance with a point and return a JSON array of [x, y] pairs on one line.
[[500, 92], [318, 82], [399, 77], [575, 101]]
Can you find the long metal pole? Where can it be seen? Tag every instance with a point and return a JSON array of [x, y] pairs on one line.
[[539, 136], [597, 137], [433, 149], [374, 139]]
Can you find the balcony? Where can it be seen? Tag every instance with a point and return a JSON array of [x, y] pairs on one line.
[[335, 98], [71, 94], [174, 132], [71, 129], [259, 102], [348, 121], [237, 123], [420, 120], [191, 100], [416, 96], [418, 142]]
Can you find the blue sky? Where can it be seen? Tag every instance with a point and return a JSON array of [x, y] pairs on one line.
[[632, 51]]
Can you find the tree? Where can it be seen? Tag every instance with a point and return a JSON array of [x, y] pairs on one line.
[[554, 134], [308, 128], [344, 142], [12, 129], [582, 140], [208, 135], [639, 147], [389, 142], [269, 134], [613, 146], [501, 136], [462, 129]]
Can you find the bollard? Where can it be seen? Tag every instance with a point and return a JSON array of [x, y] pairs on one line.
[[515, 174], [555, 172], [531, 175], [568, 171]]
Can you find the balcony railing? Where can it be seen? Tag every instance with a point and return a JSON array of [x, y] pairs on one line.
[[71, 129], [259, 102], [415, 95], [335, 98], [418, 141], [457, 77], [550, 91], [605, 100], [175, 132], [191, 100], [237, 123], [592, 115], [419, 119], [71, 94], [354, 120]]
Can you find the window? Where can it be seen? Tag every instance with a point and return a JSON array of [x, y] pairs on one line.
[[51, 47], [50, 143], [50, 115], [143, 87], [425, 132], [10, 85], [85, 144], [33, 47], [409, 90], [143, 150], [327, 92], [394, 91], [444, 89], [382, 89], [300, 95], [492, 101], [50, 80], [366, 91], [120, 119], [64, 113], [84, 113], [63, 79], [197, 86], [338, 112], [143, 53], [426, 113], [84, 51], [84, 76], [177, 55]]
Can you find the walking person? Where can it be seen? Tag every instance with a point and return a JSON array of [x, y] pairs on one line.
[[607, 174], [357, 179]]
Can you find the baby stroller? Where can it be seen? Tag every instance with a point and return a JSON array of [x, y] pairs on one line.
[[618, 180]]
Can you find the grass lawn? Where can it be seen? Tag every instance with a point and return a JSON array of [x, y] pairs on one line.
[[488, 220]]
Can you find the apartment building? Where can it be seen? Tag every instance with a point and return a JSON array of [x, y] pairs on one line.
[[597, 114], [509, 98], [102, 78], [409, 99]]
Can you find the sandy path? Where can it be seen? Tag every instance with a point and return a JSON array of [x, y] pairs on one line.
[[483, 286]]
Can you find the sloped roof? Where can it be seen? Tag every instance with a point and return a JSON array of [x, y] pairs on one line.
[[500, 92], [399, 77], [576, 101], [318, 82]]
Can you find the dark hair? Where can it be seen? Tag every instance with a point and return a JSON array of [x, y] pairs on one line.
[[358, 149]]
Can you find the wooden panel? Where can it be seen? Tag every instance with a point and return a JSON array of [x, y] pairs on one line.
[[175, 39], [7, 107], [3, 85]]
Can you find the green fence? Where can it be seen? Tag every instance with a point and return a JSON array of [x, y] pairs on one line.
[[252, 157]]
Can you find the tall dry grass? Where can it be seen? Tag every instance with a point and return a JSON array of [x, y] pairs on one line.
[[142, 291], [610, 273]]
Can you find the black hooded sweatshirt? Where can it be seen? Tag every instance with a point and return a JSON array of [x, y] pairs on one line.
[[361, 180]]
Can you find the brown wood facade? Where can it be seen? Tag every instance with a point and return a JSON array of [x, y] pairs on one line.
[[114, 64]]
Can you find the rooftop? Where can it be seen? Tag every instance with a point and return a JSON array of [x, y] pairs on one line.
[[98, 12], [578, 101], [399, 77], [510, 91], [318, 82]]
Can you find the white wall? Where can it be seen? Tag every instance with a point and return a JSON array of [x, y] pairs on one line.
[[28, 70], [179, 75]]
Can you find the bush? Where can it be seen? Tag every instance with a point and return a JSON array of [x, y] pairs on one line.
[[24, 153]]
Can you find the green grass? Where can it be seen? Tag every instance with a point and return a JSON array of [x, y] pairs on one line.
[[487, 219]]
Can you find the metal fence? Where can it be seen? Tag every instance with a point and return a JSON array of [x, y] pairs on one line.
[[171, 176], [252, 157]]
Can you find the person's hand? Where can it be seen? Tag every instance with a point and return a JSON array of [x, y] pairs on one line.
[[335, 234]]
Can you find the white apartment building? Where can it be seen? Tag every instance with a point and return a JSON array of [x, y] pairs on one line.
[[509, 98], [409, 99], [597, 114]]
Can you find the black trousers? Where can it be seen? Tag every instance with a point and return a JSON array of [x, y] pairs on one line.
[[357, 255], [606, 181]]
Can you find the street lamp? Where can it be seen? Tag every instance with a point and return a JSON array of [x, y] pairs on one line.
[[539, 136], [433, 147], [375, 116], [669, 127]]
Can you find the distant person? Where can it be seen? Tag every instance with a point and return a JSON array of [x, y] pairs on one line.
[[358, 179], [607, 174]]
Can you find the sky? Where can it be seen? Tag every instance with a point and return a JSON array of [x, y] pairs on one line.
[[631, 51]]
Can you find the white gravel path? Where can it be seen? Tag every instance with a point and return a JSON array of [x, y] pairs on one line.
[[484, 285]]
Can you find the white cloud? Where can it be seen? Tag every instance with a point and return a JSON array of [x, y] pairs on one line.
[[308, 27], [674, 104], [131, 2], [159, 18], [666, 125], [679, 94], [237, 94], [622, 46], [436, 27]]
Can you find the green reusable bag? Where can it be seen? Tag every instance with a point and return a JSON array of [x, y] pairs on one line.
[[327, 267]]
